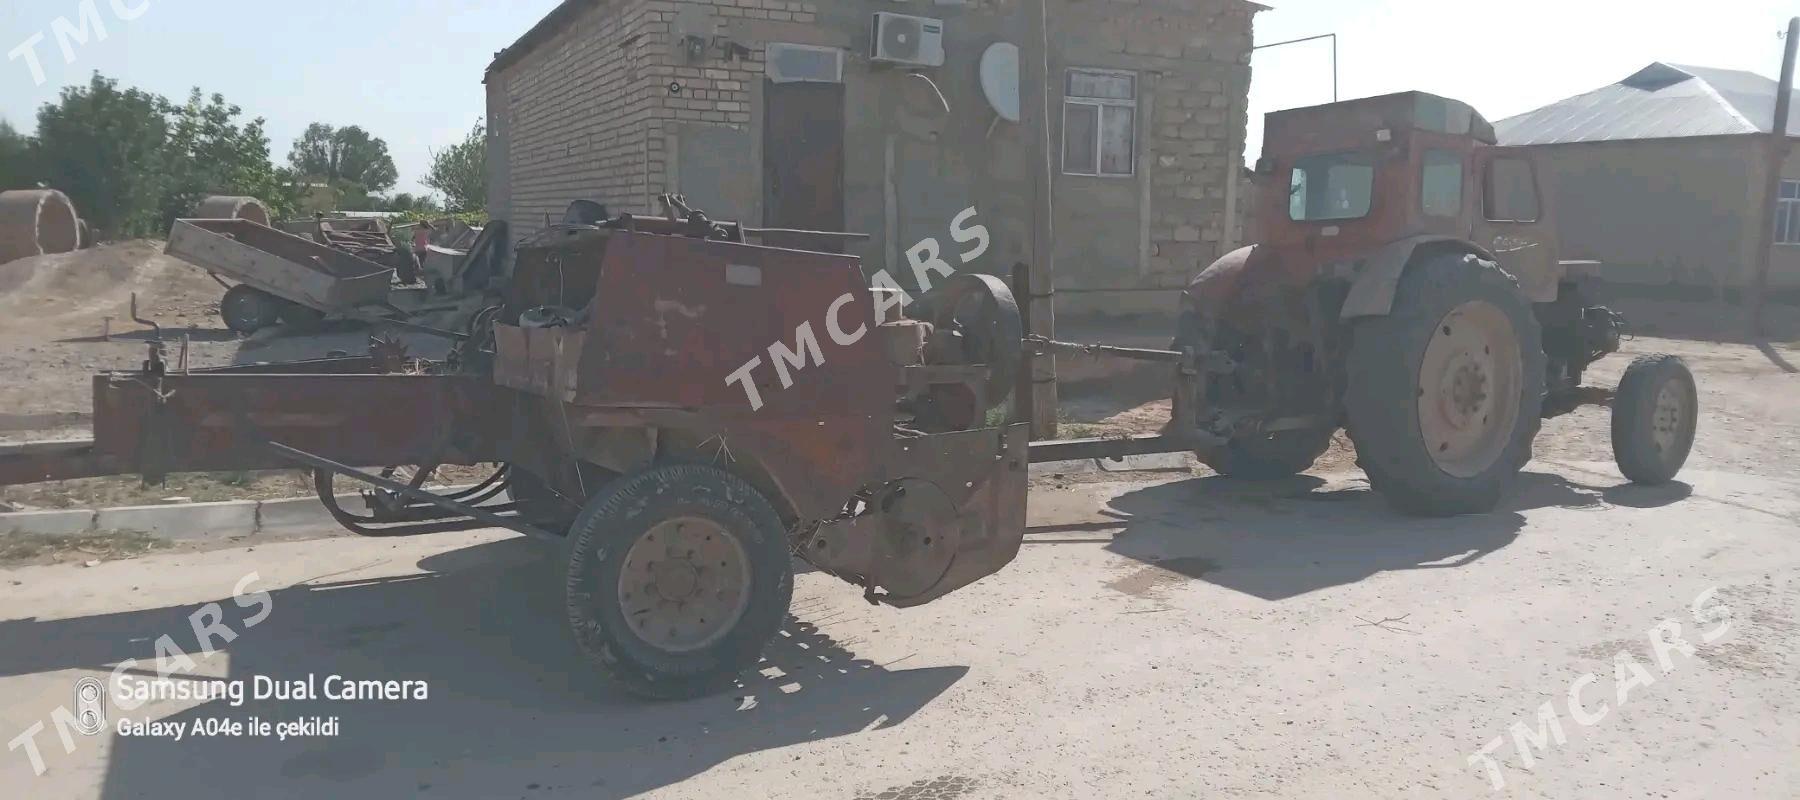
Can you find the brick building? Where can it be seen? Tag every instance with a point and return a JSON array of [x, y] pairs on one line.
[[784, 114]]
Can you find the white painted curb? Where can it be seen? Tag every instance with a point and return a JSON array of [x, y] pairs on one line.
[[189, 522]]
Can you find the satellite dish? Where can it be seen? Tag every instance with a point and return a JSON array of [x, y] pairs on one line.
[[1000, 79]]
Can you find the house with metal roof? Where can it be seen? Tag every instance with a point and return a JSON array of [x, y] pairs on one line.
[[1662, 177]]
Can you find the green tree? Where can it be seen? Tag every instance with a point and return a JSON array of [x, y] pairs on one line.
[[404, 202], [208, 153], [460, 172], [348, 155], [106, 149], [18, 159]]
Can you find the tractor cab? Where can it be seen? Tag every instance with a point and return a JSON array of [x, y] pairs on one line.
[[1339, 182]]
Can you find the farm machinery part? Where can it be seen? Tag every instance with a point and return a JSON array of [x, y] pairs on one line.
[[596, 392], [1406, 287]]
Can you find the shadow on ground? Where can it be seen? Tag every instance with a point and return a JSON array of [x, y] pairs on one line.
[[513, 708], [1286, 538]]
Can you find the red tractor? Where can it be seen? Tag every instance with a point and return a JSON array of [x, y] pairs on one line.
[[1405, 286]]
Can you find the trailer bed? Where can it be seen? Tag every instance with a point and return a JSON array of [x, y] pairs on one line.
[[287, 266]]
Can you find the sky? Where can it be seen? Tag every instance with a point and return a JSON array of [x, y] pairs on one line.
[[1504, 58], [410, 71]]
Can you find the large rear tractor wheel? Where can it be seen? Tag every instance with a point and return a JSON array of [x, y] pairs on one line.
[[678, 576], [1268, 458], [247, 310], [1654, 415], [1445, 392]]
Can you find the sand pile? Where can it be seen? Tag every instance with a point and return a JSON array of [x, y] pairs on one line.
[[81, 288]]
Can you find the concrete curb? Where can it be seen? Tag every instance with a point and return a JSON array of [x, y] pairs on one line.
[[50, 523], [236, 519], [187, 522]]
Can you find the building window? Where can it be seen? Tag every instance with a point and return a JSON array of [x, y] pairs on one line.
[[1441, 183], [792, 63], [1787, 214], [1100, 123]]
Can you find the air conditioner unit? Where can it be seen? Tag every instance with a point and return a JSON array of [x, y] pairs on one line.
[[903, 39]]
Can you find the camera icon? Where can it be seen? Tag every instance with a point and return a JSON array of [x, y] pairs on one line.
[[90, 706]]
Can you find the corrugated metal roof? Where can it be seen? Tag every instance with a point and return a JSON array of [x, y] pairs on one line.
[[1661, 101]]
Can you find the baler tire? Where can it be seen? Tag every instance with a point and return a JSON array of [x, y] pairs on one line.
[[1279, 455], [1386, 391], [604, 542], [1654, 415]]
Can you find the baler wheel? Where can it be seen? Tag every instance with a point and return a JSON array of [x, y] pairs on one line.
[[678, 576]]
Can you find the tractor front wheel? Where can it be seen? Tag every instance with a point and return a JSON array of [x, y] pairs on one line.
[[1654, 416], [1445, 392]]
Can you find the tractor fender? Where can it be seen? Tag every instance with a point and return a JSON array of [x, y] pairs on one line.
[[1216, 286], [1372, 293]]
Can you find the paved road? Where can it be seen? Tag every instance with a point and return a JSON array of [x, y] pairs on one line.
[[1174, 638]]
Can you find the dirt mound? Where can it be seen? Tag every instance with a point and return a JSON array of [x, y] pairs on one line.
[[79, 289]]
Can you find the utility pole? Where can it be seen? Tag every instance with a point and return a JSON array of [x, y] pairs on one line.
[[1035, 94], [1778, 153]]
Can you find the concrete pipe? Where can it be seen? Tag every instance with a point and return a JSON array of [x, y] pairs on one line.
[[223, 207], [35, 222]]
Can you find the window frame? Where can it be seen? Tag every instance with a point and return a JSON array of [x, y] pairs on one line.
[[1100, 104], [1462, 181], [1374, 167], [1488, 187], [1787, 214]]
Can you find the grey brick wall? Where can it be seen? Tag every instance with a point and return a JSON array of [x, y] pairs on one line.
[[588, 113], [574, 118]]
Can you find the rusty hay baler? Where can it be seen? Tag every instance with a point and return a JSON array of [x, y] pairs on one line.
[[599, 389]]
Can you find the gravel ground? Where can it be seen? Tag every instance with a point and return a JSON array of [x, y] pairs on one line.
[[1160, 635]]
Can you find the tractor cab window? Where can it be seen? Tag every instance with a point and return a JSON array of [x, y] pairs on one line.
[[1511, 194], [1441, 183], [1328, 187]]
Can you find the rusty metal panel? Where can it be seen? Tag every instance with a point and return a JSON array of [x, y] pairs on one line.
[[677, 316], [958, 516], [32, 462], [219, 421], [512, 358], [542, 361]]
